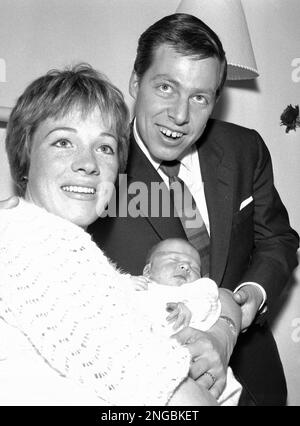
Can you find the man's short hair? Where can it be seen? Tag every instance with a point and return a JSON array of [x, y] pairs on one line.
[[187, 35]]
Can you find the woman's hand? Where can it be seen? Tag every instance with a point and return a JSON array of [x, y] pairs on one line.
[[212, 349], [190, 393], [9, 203], [209, 358]]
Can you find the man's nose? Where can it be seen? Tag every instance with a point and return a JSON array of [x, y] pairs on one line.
[[86, 163], [180, 111]]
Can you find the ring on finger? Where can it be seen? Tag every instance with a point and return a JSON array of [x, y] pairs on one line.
[[212, 377]]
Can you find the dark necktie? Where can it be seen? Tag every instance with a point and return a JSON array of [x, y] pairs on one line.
[[188, 213]]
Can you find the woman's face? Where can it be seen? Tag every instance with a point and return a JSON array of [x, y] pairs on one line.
[[73, 165]]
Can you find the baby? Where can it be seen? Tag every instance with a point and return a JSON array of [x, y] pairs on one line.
[[174, 283], [173, 280]]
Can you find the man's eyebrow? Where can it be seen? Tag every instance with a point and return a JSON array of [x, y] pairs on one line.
[[165, 77]]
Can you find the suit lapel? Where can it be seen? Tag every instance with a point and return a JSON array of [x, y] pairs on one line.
[[139, 169], [218, 188]]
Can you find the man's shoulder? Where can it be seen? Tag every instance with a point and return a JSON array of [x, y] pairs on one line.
[[230, 136], [224, 128], [234, 143]]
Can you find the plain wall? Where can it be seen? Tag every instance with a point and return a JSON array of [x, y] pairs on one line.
[[37, 35]]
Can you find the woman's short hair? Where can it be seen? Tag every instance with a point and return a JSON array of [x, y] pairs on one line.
[[53, 96], [187, 35]]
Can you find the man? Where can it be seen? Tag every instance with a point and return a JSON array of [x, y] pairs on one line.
[[178, 75]]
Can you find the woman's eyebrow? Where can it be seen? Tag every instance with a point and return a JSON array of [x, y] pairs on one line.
[[109, 134], [70, 129]]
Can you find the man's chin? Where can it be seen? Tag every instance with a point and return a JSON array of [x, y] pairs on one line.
[[167, 155]]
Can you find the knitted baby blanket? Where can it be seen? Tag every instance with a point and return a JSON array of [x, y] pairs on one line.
[[79, 312]]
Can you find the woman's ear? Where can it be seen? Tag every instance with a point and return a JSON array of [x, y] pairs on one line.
[[133, 85]]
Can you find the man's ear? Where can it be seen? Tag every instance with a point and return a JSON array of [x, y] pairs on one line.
[[217, 98], [146, 270], [133, 85]]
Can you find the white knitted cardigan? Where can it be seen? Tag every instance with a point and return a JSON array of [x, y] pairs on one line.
[[79, 313]]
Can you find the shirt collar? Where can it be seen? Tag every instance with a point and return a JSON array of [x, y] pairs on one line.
[[143, 147]]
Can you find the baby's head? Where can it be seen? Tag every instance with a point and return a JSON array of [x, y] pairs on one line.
[[173, 262]]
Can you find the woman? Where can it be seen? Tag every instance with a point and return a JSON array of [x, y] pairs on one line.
[[66, 140]]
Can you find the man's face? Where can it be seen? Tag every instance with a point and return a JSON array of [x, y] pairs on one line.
[[174, 99]]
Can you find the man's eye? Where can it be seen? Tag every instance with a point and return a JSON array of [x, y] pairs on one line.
[[63, 143], [106, 149], [200, 99], [165, 88]]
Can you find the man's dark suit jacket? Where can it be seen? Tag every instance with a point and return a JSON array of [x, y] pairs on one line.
[[255, 243]]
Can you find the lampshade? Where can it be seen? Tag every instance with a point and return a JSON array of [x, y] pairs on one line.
[[227, 19], [4, 113]]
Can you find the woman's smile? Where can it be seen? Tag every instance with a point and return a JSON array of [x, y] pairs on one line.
[[72, 159], [78, 192]]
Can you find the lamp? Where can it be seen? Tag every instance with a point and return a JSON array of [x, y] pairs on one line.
[[4, 113], [227, 19]]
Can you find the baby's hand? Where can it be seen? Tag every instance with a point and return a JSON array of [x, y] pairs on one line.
[[180, 313], [140, 282], [9, 203]]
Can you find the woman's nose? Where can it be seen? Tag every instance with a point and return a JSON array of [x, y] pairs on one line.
[[86, 163]]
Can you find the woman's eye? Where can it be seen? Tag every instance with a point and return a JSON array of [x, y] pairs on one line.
[[106, 149], [63, 143]]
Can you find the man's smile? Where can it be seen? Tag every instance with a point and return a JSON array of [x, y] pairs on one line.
[[170, 133]]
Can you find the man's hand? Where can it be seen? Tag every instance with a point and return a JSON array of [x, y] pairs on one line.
[[9, 203], [249, 298]]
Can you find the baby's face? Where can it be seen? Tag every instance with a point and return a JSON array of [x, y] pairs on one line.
[[174, 263]]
